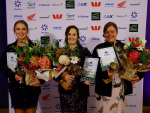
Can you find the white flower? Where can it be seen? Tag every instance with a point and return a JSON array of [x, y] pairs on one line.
[[126, 46], [140, 48], [143, 42], [74, 59], [64, 60]]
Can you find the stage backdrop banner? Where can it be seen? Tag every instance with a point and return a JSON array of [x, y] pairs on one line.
[[51, 18]]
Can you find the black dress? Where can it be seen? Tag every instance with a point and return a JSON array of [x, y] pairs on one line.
[[21, 98], [75, 100]]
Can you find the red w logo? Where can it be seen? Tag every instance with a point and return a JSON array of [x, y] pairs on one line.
[[97, 4], [95, 28], [120, 5], [57, 16], [30, 18], [46, 97], [132, 39]]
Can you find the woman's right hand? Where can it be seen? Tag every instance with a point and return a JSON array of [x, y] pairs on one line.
[[18, 78], [69, 78], [110, 74]]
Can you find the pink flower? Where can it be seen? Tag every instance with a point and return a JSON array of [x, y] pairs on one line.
[[136, 45]]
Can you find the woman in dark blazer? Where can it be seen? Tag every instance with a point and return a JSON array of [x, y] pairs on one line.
[[24, 98], [111, 96], [74, 100]]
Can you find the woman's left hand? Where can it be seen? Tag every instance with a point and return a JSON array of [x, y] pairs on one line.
[[87, 82], [136, 78], [36, 83]]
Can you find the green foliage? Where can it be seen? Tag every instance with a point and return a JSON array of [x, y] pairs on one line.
[[144, 57]]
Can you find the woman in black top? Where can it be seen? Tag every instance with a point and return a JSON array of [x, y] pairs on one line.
[[23, 98], [111, 96], [74, 100]]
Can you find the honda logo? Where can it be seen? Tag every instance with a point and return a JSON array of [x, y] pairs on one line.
[[95, 28], [57, 16], [30, 18], [132, 39], [121, 5], [95, 4]]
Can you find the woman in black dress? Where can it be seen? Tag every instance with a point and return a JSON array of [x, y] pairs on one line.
[[24, 98], [74, 100]]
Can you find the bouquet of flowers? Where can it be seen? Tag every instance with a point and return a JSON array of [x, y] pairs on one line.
[[136, 58], [34, 57]]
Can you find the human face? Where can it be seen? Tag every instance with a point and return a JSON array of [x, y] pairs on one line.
[[21, 31], [72, 37], [111, 34]]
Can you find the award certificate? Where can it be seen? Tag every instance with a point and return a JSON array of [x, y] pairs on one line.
[[107, 56]]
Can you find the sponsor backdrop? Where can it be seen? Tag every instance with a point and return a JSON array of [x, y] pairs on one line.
[[49, 18]]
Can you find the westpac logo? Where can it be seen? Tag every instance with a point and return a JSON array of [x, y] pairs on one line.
[[45, 98], [57, 28], [31, 5], [57, 16], [30, 18], [108, 16], [82, 4], [133, 28], [59, 40], [44, 4], [70, 16], [95, 16], [95, 28], [17, 5], [121, 5], [82, 38], [134, 16], [82, 16], [70, 4], [109, 5], [133, 39], [95, 4]]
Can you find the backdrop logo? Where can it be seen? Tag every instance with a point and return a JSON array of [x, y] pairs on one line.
[[121, 5], [59, 40], [17, 3], [83, 28], [133, 15], [83, 38], [95, 16], [82, 4], [95, 4], [109, 5], [33, 28], [56, 4], [30, 18], [136, 4], [133, 39], [44, 27], [82, 16], [18, 17], [44, 17], [122, 27], [131, 105], [46, 86], [58, 107], [44, 4], [45, 98], [133, 28], [70, 4], [95, 39], [57, 28], [95, 28], [70, 16], [108, 16], [46, 108], [121, 16], [44, 39], [31, 5], [57, 16]]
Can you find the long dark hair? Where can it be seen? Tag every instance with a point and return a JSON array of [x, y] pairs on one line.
[[67, 32], [108, 25]]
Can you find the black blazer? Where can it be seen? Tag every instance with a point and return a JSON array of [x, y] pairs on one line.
[[11, 75], [105, 89], [83, 89]]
